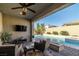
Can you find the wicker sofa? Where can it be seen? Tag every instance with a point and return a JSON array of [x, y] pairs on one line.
[[7, 50]]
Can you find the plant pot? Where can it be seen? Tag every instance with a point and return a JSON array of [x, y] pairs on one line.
[[2, 43]]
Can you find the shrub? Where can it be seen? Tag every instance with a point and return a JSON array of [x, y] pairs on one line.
[[48, 33], [55, 33], [64, 33]]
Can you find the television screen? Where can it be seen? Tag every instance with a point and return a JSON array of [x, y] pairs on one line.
[[20, 28]]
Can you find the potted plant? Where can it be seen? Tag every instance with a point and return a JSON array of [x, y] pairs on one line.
[[5, 37]]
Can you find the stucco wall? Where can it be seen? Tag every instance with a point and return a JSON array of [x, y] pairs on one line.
[[10, 21], [73, 30], [1, 26]]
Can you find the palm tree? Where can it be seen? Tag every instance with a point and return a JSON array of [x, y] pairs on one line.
[[40, 29]]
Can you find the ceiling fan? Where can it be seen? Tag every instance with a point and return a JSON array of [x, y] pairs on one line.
[[24, 8]]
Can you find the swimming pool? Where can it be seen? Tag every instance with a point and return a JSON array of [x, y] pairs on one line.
[[61, 40], [72, 43]]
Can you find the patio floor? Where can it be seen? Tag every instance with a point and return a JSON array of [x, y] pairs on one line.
[[68, 51]]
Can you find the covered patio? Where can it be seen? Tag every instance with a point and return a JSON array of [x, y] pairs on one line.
[[42, 10], [10, 18]]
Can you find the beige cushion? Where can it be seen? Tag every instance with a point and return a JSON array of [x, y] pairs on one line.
[[19, 49]]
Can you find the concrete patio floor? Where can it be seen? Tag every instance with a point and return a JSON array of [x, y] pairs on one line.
[[68, 51]]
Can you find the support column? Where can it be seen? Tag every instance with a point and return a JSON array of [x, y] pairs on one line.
[[30, 30]]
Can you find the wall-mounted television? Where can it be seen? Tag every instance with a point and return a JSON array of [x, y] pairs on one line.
[[20, 28]]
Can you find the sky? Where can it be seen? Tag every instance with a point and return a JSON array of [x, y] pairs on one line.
[[59, 18]]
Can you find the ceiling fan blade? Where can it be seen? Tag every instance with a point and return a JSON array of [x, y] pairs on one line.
[[31, 10], [29, 4], [22, 4], [16, 7]]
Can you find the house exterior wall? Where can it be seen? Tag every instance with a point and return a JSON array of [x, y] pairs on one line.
[[8, 25], [72, 30]]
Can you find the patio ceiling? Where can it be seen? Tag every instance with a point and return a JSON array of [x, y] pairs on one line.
[[42, 9]]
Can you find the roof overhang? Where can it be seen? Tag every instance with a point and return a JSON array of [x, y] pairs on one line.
[[51, 10], [42, 10]]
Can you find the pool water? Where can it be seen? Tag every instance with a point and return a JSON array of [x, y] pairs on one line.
[[72, 43], [61, 40]]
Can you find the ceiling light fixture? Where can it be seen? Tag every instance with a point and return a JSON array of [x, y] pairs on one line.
[[24, 11]]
